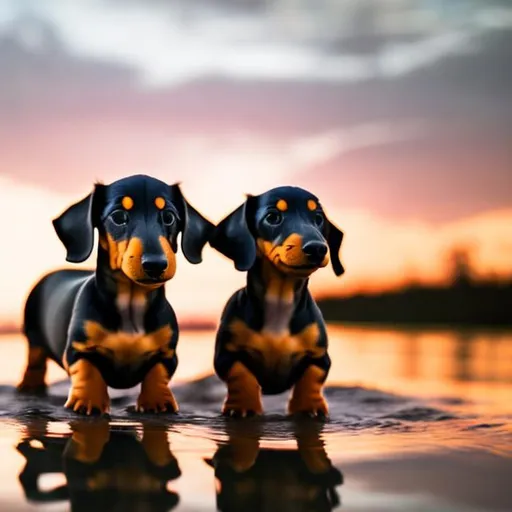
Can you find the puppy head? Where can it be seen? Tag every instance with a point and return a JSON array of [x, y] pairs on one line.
[[138, 219], [285, 225]]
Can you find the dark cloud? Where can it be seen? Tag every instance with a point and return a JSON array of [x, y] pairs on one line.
[[461, 165], [67, 120], [447, 174]]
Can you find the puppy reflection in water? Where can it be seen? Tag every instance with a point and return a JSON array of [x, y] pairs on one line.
[[252, 479], [103, 468]]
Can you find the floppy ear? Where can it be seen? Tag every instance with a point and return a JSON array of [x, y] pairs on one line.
[[196, 230], [334, 239], [233, 238], [75, 227]]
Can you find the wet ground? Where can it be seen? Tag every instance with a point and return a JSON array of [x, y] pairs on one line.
[[418, 422]]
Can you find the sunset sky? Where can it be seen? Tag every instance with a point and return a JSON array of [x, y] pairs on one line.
[[397, 116]]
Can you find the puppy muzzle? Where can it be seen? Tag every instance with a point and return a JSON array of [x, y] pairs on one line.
[[154, 266], [315, 252]]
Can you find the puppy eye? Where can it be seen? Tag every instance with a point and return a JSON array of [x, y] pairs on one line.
[[273, 218], [119, 217], [168, 218], [319, 219]]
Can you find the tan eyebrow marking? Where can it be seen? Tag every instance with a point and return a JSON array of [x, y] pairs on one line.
[[160, 203], [312, 204], [282, 205], [127, 203]]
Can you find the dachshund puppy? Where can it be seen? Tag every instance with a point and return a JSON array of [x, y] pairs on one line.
[[272, 336], [254, 478], [113, 326], [104, 469]]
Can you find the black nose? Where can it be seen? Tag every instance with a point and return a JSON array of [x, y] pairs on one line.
[[154, 266], [315, 251]]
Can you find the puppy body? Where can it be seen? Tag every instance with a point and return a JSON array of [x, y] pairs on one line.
[[255, 478], [104, 469], [71, 314], [274, 328], [272, 336], [113, 326]]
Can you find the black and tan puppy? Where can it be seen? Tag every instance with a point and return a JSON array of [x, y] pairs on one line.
[[252, 478], [272, 336], [113, 326], [104, 469]]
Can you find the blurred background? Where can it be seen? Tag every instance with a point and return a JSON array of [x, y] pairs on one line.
[[396, 113]]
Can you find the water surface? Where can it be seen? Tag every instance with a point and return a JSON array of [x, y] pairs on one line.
[[420, 420]]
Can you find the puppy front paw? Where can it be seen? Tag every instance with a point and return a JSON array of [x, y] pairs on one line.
[[155, 395], [307, 395], [88, 391], [157, 400], [87, 401], [244, 393], [314, 406], [241, 411]]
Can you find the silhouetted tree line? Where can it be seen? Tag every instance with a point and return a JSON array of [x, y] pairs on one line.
[[464, 301]]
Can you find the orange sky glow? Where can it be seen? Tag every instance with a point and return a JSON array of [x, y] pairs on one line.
[[399, 122], [377, 253]]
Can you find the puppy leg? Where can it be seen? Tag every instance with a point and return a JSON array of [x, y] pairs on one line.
[[88, 389], [34, 378], [307, 394], [155, 395], [244, 443], [244, 393], [88, 440], [156, 445], [312, 448]]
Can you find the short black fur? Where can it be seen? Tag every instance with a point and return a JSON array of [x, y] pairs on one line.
[[240, 237], [62, 302]]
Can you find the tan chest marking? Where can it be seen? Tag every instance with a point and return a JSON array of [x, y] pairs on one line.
[[125, 349], [131, 303], [279, 298], [275, 350]]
